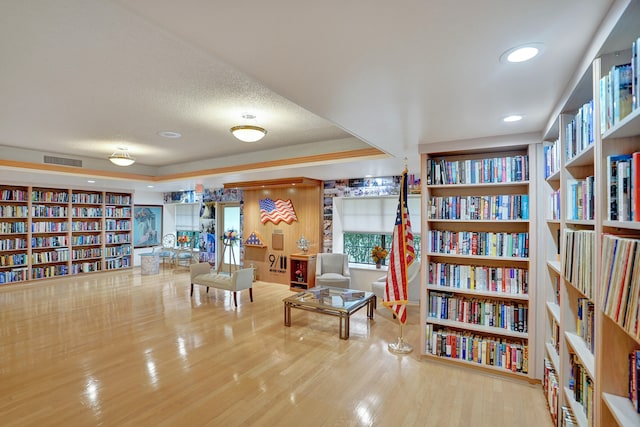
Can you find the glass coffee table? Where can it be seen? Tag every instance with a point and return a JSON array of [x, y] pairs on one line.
[[332, 301]]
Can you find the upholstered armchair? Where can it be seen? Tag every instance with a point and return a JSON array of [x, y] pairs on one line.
[[333, 270], [413, 284]]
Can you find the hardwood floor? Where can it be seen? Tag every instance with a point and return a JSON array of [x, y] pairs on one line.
[[119, 349]]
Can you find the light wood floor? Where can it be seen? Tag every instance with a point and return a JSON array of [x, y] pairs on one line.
[[118, 349]]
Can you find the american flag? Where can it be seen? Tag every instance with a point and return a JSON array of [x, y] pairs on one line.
[[276, 211], [402, 255]]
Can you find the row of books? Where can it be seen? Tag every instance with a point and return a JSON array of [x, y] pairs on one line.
[[117, 263], [621, 279], [502, 207], [113, 212], [553, 207], [13, 227], [581, 386], [86, 212], [485, 312], [49, 271], [50, 256], [86, 226], [49, 242], [11, 244], [118, 251], [86, 267], [491, 351], [623, 180], [46, 211], [86, 253], [579, 133], [88, 198], [478, 171], [13, 260], [585, 323], [555, 335], [568, 418], [112, 238], [86, 239], [49, 226], [50, 196], [550, 386], [13, 195], [506, 280], [551, 152], [581, 200], [14, 211], [619, 90], [578, 259], [479, 243], [15, 275], [118, 199], [117, 225]]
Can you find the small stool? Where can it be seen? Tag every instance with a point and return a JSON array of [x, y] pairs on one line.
[[149, 263]]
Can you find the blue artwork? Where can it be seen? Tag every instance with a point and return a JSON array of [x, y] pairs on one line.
[[147, 226]]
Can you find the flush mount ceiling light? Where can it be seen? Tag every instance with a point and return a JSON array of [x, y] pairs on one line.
[[248, 133], [512, 118], [522, 53], [121, 157], [169, 134]]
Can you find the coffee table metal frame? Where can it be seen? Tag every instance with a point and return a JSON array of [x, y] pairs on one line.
[[305, 301]]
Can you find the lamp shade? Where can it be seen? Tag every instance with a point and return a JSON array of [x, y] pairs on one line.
[[248, 133], [121, 158]]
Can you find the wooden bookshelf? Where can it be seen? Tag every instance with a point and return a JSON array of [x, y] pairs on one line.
[[478, 278], [599, 342], [52, 232]]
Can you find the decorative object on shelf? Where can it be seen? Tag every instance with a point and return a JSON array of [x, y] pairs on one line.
[[276, 211], [121, 157], [147, 226], [303, 244], [248, 133], [299, 276], [378, 253]]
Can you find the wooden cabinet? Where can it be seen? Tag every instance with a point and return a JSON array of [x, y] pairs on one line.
[[51, 232], [478, 299], [302, 271]]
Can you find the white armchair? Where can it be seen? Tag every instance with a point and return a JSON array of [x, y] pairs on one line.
[[413, 284], [333, 270]]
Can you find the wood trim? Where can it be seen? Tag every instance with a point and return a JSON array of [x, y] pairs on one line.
[[317, 158], [283, 182]]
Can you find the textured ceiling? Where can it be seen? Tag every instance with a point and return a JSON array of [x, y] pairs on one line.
[[81, 77]]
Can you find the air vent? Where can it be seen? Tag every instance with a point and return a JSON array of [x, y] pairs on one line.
[[62, 161]]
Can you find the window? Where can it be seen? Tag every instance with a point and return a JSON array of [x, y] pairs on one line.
[[360, 223], [358, 246]]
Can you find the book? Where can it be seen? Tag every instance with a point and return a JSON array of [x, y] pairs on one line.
[[635, 186], [612, 183]]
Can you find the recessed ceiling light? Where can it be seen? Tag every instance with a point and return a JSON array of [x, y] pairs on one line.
[[522, 53], [512, 118], [91, 181], [368, 175], [169, 134], [149, 186]]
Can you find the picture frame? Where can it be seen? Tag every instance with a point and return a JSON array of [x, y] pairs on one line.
[[147, 226]]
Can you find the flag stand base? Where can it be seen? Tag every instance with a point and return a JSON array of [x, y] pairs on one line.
[[400, 347]]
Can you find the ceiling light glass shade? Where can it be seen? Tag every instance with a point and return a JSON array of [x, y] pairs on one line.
[[122, 158], [248, 133]]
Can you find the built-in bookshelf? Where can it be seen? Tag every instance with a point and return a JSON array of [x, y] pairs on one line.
[[50, 232], [592, 234], [477, 305]]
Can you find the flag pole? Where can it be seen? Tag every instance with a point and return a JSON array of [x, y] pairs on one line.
[[406, 254], [400, 347]]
